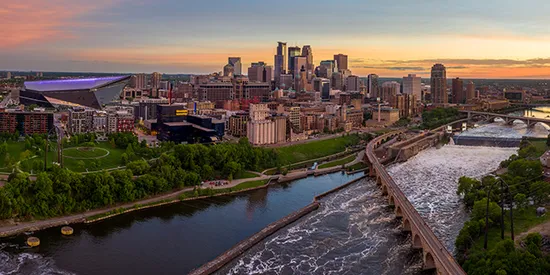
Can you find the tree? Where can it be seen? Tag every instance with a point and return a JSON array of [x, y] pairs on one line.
[[480, 210], [138, 167], [540, 191], [25, 155], [521, 201], [3, 148], [124, 158], [528, 169], [81, 164]]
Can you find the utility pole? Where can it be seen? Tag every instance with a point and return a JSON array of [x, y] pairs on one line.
[[46, 156]]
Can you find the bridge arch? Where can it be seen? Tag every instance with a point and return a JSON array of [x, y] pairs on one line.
[[384, 189], [429, 262], [406, 225], [398, 212], [541, 124], [391, 200], [417, 241]]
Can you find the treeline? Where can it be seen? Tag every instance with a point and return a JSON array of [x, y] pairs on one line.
[[522, 184], [438, 117], [61, 191]]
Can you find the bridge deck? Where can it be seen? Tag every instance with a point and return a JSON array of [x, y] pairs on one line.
[[439, 252]]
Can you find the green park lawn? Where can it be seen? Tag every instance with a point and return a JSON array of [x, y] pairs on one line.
[[338, 162], [523, 221], [245, 175], [315, 149], [78, 160], [357, 166]]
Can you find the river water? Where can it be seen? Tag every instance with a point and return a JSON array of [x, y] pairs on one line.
[[171, 239], [353, 232]]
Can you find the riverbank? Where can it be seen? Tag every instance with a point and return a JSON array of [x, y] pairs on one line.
[[248, 243]]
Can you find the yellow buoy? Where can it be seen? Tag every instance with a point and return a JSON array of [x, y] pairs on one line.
[[67, 230], [33, 241]]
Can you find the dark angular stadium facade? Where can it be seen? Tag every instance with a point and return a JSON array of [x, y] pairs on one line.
[[86, 92]]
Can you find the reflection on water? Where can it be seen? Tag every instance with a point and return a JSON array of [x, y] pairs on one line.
[[171, 239]]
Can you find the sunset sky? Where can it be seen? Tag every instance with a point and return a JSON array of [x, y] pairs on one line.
[[473, 38]]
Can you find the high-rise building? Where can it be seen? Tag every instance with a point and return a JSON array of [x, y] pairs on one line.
[[280, 62], [260, 130], [300, 62], [341, 61], [8, 75], [285, 81], [389, 90], [412, 85], [140, 81], [228, 70], [352, 83], [155, 80], [337, 81], [236, 63], [470, 90], [294, 115], [438, 83], [326, 68], [308, 53], [256, 72], [373, 89], [459, 95], [292, 53]]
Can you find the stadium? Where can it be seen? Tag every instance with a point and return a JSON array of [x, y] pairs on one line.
[[85, 92]]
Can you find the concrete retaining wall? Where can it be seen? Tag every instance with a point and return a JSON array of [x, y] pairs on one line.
[[246, 244]]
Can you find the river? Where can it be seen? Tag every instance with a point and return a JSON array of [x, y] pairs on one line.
[[171, 239]]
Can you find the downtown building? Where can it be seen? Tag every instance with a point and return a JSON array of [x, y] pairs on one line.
[[113, 119], [412, 85], [438, 85], [26, 123]]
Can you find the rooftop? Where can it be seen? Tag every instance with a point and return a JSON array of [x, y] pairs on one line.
[[72, 84]]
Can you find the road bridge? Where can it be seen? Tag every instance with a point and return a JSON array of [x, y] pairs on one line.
[[509, 119], [434, 254]]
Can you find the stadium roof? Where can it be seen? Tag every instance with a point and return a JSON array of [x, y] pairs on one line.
[[72, 84]]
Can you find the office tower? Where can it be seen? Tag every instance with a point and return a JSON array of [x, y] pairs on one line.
[[299, 63], [259, 72], [308, 53], [341, 61], [280, 62], [337, 80], [293, 52], [155, 80], [352, 83], [141, 81], [459, 96], [236, 63], [8, 75], [228, 70], [412, 85], [470, 90], [389, 90], [285, 81], [326, 68], [438, 83], [267, 74], [372, 86]]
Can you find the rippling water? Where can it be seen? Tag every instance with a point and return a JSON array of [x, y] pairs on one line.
[[353, 232], [430, 180]]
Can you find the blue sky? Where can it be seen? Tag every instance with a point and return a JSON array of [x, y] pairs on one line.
[[391, 38]]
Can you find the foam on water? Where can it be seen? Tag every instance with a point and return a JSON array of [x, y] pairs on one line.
[[26, 263], [353, 232], [430, 181]]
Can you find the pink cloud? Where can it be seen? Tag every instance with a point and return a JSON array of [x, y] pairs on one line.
[[43, 21]]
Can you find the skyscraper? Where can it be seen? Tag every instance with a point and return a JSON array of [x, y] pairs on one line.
[[293, 52], [341, 61], [299, 62], [8, 75], [308, 53], [326, 68], [352, 83], [372, 86], [389, 90], [155, 80], [438, 83], [259, 72], [280, 62], [459, 96], [470, 90], [412, 85], [228, 70], [236, 63]]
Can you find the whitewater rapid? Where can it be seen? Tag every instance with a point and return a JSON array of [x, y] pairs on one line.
[[353, 232], [430, 180]]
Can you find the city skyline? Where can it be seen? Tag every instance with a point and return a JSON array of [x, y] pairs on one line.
[[473, 40]]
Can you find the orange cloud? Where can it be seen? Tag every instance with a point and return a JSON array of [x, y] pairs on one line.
[[41, 21]]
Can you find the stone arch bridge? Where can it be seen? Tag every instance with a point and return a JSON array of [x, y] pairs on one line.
[[529, 121], [434, 254]]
